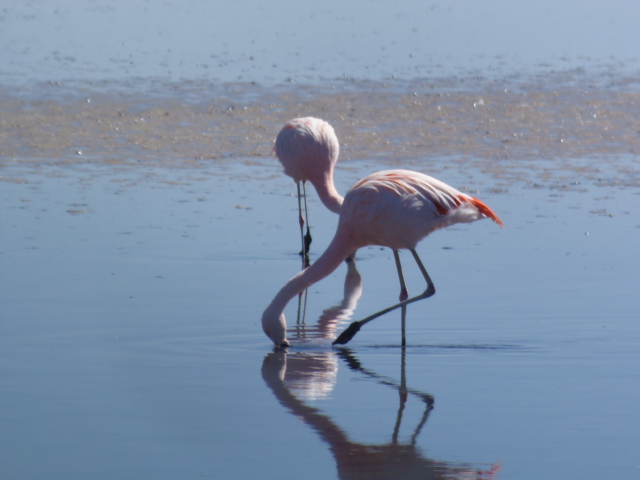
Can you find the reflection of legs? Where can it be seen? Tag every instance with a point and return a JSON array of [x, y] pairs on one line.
[[404, 294], [302, 308], [354, 328], [302, 313], [354, 364], [396, 428], [402, 391], [423, 420]]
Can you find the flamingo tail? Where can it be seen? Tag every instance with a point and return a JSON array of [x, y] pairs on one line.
[[486, 211]]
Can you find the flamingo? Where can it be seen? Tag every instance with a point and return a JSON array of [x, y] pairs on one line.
[[392, 208], [308, 149]]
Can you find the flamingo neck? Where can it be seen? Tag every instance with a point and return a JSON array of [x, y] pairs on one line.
[[327, 191], [331, 259]]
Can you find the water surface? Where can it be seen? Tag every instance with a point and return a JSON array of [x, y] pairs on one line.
[[131, 338], [145, 227]]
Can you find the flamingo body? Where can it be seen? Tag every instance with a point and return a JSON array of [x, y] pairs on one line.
[[392, 208], [398, 208]]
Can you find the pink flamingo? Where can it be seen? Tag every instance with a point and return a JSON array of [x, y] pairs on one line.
[[393, 208], [308, 150]]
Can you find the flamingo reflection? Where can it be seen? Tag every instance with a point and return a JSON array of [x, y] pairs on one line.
[[332, 317], [323, 365], [286, 375]]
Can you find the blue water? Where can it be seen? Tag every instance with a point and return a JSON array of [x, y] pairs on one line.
[[131, 343]]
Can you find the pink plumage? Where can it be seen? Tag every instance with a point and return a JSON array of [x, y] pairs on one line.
[[308, 150], [393, 208], [398, 208]]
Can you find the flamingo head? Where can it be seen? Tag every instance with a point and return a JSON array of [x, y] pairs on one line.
[[275, 327]]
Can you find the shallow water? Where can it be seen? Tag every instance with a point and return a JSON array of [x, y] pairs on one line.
[[145, 228], [131, 342]]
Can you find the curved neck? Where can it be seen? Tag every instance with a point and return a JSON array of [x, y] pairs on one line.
[[331, 259], [327, 191]]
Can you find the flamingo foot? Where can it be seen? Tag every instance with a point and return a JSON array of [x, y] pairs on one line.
[[307, 241], [348, 334]]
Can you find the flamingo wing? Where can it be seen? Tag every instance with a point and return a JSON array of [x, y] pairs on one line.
[[398, 208]]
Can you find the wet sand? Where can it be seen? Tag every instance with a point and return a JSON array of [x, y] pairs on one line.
[[500, 126]]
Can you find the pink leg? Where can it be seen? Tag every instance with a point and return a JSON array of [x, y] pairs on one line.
[[404, 293]]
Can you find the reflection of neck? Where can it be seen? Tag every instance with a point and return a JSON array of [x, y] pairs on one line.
[[273, 370], [330, 317]]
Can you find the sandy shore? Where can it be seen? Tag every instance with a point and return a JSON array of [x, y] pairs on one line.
[[498, 126]]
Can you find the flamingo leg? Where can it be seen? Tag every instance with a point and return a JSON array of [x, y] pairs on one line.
[[307, 237], [431, 288], [354, 328], [300, 219], [404, 294]]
